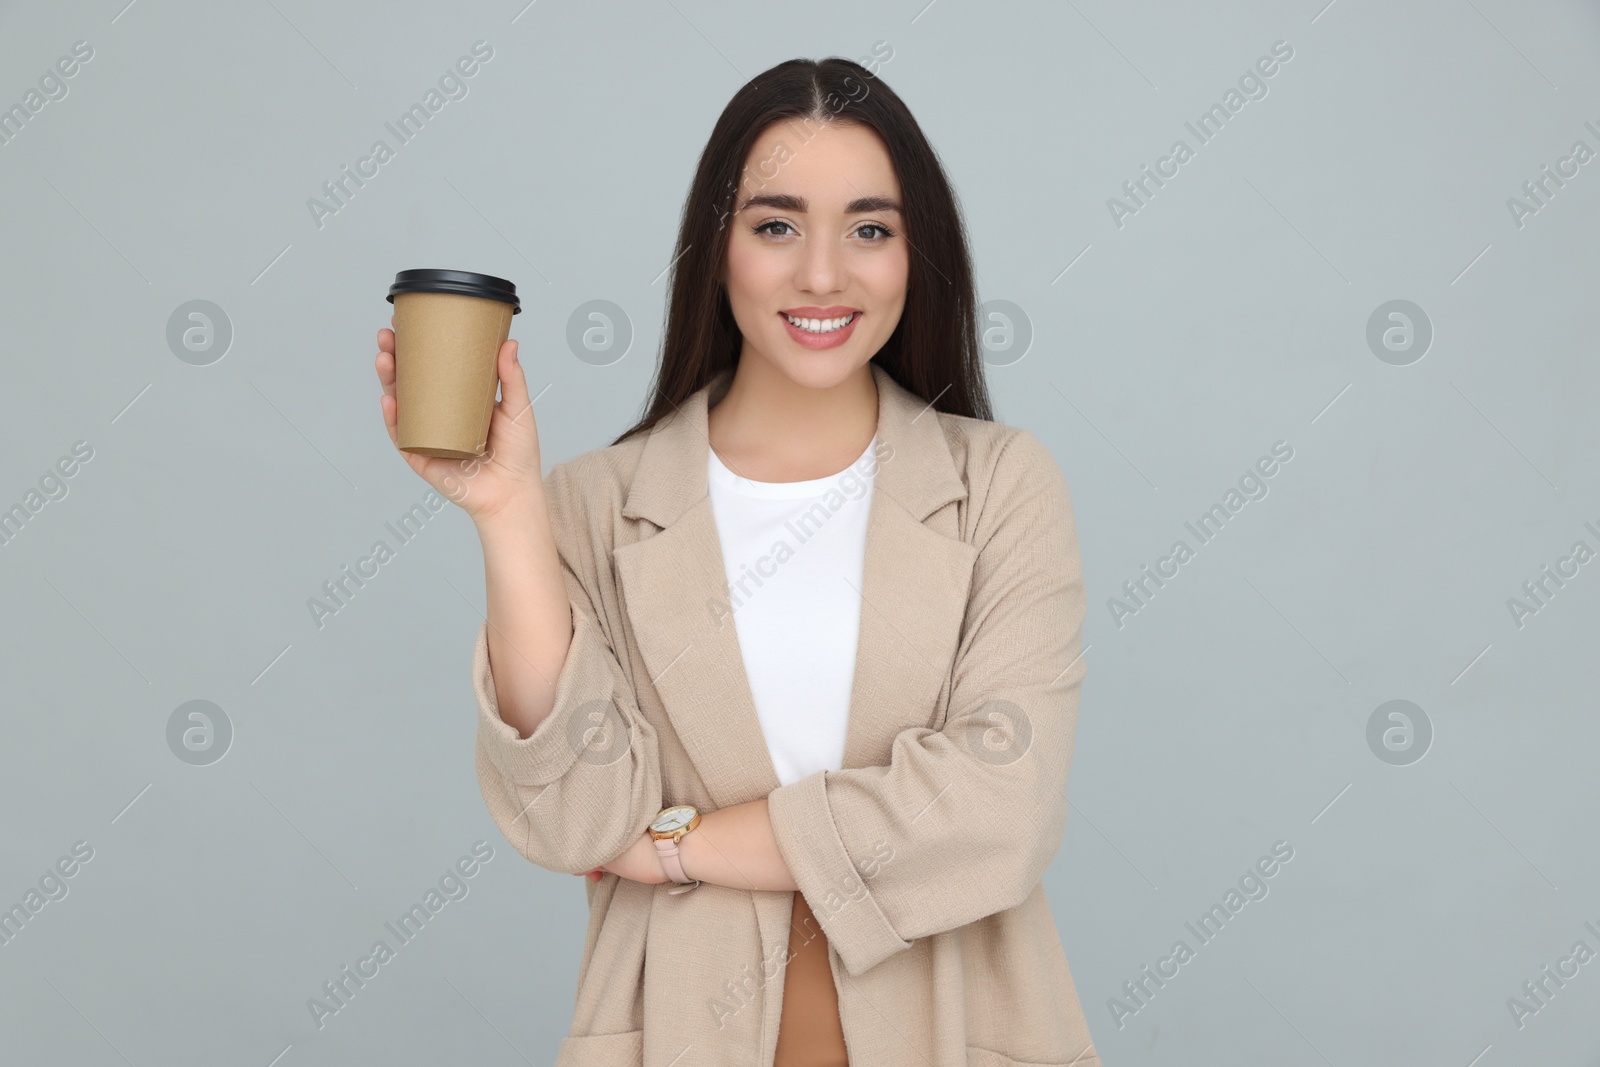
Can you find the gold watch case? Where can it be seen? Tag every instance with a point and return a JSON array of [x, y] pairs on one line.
[[675, 821]]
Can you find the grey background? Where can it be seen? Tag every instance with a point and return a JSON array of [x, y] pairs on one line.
[[1229, 313]]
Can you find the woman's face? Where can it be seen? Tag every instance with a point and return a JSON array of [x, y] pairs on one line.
[[817, 234]]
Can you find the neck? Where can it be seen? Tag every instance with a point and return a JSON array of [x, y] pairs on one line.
[[770, 428]]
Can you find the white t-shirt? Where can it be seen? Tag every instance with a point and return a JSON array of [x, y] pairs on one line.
[[794, 553]]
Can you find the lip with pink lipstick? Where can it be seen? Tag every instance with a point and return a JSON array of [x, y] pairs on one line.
[[820, 327]]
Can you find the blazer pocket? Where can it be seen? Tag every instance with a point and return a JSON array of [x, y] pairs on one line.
[[983, 1057], [603, 1050]]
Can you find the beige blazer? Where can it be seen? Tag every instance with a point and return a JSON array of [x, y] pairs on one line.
[[921, 858]]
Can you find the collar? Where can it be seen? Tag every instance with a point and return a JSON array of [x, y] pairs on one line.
[[919, 473]]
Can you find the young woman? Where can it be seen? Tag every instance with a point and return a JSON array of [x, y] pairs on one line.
[[790, 670]]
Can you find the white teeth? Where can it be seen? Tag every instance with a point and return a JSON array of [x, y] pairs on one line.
[[819, 325]]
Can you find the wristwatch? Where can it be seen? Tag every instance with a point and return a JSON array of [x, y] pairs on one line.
[[668, 828]]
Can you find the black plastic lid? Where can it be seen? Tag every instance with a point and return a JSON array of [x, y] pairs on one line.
[[465, 282]]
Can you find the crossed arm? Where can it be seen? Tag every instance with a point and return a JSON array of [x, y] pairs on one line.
[[733, 847], [989, 785]]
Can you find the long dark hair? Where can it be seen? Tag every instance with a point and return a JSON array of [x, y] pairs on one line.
[[934, 351]]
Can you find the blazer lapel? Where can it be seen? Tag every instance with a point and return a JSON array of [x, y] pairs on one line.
[[913, 591]]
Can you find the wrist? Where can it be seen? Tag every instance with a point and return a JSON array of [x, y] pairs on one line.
[[669, 834], [655, 854], [685, 864], [513, 512], [692, 849]]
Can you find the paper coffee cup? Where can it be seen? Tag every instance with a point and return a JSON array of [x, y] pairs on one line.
[[448, 329]]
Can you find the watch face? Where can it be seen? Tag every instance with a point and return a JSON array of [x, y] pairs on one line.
[[673, 818]]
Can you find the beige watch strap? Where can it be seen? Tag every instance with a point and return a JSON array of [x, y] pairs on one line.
[[672, 863]]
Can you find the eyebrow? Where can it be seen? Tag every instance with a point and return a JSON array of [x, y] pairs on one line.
[[788, 202]]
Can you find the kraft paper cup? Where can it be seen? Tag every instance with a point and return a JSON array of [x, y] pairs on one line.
[[448, 329]]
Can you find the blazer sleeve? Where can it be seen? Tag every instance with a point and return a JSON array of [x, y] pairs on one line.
[[585, 784], [963, 821]]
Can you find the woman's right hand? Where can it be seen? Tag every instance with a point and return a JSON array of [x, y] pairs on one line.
[[509, 470]]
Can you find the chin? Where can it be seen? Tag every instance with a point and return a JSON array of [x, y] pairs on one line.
[[819, 370]]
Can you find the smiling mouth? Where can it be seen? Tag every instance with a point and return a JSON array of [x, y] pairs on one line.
[[821, 327]]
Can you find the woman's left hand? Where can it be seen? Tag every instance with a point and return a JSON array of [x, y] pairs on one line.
[[640, 863]]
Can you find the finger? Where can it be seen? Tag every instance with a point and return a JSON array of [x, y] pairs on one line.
[[384, 362], [387, 405], [419, 464], [513, 383]]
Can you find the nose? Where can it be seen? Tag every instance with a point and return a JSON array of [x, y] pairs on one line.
[[822, 268]]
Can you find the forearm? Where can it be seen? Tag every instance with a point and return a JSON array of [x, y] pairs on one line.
[[735, 847], [530, 616]]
